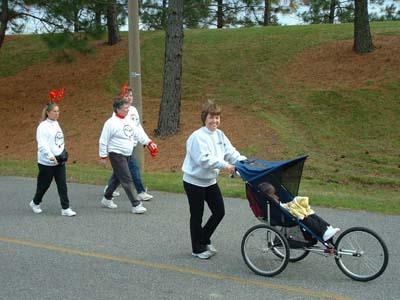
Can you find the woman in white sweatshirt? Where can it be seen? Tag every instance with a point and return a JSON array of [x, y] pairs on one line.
[[51, 163], [208, 151], [116, 143], [142, 138]]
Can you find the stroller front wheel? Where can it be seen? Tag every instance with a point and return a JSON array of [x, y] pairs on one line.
[[260, 246], [361, 254]]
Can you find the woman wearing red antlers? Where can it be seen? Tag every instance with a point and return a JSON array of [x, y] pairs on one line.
[[51, 156]]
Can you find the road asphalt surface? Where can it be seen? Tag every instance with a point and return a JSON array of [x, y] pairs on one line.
[[114, 254]]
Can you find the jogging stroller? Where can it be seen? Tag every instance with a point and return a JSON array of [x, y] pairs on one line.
[[267, 248]]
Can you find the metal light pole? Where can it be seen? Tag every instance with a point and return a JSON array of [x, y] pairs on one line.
[[134, 66]]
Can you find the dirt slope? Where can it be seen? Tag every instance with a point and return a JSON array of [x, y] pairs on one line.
[[85, 108]]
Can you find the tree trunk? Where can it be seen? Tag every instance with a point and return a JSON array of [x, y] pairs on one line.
[[362, 31], [76, 21], [169, 116], [112, 23], [3, 20], [164, 15], [267, 13], [332, 11], [220, 14], [97, 15]]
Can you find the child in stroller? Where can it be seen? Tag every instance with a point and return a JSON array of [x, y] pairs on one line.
[[300, 208], [284, 236]]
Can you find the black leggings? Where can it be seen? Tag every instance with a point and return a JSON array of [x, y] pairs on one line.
[[45, 177], [197, 195]]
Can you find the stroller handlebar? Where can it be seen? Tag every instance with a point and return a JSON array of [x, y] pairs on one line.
[[232, 175]]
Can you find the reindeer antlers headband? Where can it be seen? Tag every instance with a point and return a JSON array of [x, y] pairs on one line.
[[119, 101], [123, 90], [55, 98]]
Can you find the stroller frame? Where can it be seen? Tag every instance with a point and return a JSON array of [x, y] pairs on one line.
[[267, 248]]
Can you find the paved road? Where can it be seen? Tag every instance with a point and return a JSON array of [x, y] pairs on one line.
[[113, 254]]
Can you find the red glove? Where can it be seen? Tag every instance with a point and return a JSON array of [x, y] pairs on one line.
[[152, 147]]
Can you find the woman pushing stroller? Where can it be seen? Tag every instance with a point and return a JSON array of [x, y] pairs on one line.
[[300, 208]]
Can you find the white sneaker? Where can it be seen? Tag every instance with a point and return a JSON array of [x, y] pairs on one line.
[[211, 248], [68, 212], [108, 203], [36, 208], [330, 232], [144, 196], [115, 193], [139, 209], [203, 255]]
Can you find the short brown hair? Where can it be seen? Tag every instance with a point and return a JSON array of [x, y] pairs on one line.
[[210, 108], [128, 89]]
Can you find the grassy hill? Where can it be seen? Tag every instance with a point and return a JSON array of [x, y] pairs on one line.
[[285, 91]]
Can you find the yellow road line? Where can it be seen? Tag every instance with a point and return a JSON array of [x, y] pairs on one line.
[[177, 269]]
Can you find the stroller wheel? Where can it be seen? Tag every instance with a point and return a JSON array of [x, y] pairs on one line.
[[361, 254], [265, 250], [296, 253]]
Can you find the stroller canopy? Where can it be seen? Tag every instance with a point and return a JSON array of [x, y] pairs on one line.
[[285, 174]]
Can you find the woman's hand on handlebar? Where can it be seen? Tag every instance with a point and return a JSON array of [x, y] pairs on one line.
[[231, 169]]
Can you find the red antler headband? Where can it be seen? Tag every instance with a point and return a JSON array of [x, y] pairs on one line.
[[56, 96], [122, 95]]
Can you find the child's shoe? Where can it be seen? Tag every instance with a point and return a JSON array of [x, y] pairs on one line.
[[330, 232]]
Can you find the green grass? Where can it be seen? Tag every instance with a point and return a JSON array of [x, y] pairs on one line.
[[95, 174], [18, 55], [321, 194], [350, 134], [355, 197]]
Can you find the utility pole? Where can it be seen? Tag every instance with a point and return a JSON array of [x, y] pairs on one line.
[[134, 66]]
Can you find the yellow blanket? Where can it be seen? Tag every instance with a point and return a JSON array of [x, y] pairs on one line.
[[299, 207]]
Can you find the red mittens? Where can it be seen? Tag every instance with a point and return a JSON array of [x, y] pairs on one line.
[[152, 147]]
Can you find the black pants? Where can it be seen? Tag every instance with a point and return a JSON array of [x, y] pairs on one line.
[[45, 177], [316, 224], [197, 196]]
